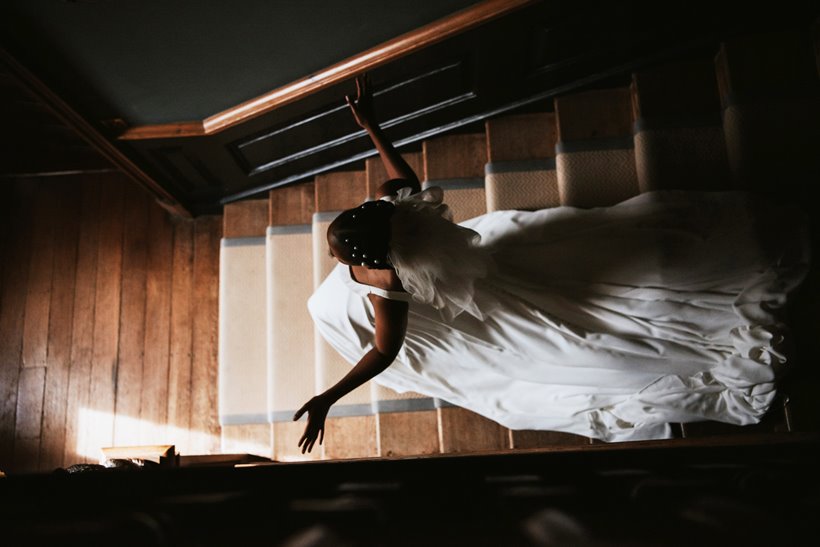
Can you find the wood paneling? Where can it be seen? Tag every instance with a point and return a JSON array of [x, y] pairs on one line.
[[35, 326], [105, 154], [121, 326], [204, 420], [99, 422], [154, 396], [58, 360], [181, 336], [12, 308], [82, 335], [129, 366], [29, 418]]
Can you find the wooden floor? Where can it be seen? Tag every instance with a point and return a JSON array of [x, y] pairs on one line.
[[108, 322], [641, 494]]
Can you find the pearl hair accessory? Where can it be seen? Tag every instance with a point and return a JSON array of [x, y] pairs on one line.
[[367, 245]]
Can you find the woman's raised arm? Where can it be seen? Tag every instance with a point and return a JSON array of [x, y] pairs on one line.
[[400, 173], [391, 324]]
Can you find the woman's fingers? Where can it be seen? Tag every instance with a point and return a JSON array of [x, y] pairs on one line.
[[307, 441], [299, 412], [359, 87]]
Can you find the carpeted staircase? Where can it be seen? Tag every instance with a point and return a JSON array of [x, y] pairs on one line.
[[746, 118]]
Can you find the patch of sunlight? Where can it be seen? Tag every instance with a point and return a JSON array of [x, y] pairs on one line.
[[234, 442], [97, 430]]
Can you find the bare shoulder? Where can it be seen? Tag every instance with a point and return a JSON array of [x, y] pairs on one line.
[[382, 279]]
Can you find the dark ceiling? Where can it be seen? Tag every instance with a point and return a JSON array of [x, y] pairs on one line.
[[157, 61], [149, 62]]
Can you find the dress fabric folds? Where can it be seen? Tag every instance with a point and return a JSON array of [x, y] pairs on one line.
[[610, 322]]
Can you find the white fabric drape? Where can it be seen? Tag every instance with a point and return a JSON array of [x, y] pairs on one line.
[[608, 322]]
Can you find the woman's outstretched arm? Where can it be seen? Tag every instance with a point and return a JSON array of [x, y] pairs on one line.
[[391, 324], [397, 169]]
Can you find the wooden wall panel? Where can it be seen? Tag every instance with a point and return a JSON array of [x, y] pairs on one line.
[[204, 420], [132, 318], [60, 328], [82, 334], [35, 326], [99, 417], [12, 309], [181, 336], [153, 413], [120, 339], [29, 418]]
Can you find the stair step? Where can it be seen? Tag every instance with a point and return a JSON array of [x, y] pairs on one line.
[[745, 118], [776, 421], [242, 349], [769, 91], [461, 430], [520, 172], [521, 175], [407, 423], [246, 218], [525, 439], [376, 173], [595, 157], [290, 338], [351, 425], [679, 140], [456, 164]]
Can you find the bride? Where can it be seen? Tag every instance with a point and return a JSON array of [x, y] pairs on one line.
[[608, 322]]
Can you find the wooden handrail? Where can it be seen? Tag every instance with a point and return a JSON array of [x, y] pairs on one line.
[[391, 50]]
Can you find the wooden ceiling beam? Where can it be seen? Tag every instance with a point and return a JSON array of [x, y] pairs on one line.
[[67, 115]]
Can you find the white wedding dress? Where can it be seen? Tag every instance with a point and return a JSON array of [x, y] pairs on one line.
[[607, 322]]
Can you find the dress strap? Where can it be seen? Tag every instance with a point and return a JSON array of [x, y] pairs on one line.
[[391, 295], [346, 274]]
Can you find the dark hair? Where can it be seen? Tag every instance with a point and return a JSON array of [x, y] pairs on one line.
[[362, 235]]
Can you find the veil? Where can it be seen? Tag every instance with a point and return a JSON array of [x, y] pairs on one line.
[[437, 261]]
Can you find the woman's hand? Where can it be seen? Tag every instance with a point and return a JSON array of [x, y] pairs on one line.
[[317, 409], [362, 105]]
